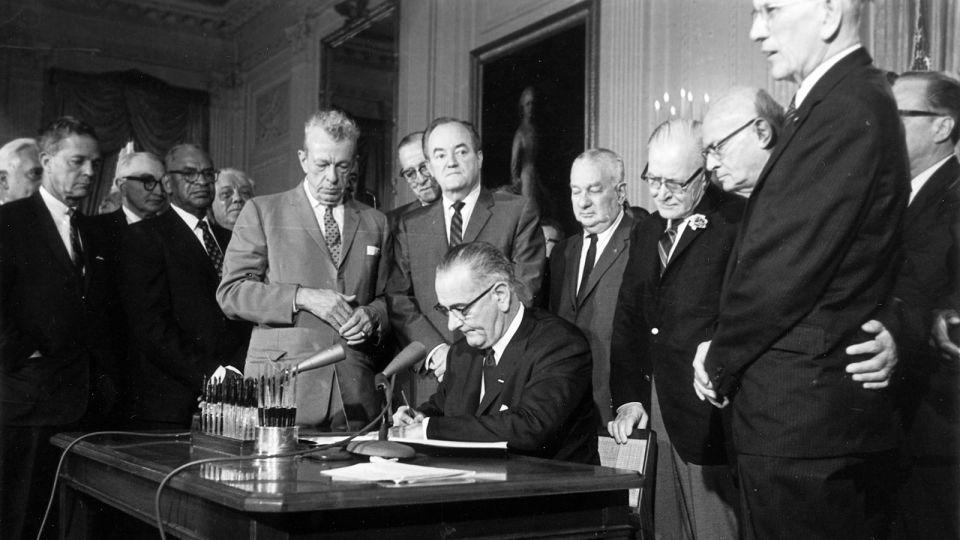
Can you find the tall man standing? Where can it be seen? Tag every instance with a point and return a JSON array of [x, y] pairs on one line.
[[668, 303], [170, 268], [56, 321], [929, 104], [467, 213], [587, 268], [812, 262], [309, 269]]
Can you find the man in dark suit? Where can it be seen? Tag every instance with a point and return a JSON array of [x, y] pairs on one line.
[[518, 375], [416, 172], [668, 304], [139, 179], [467, 212], [586, 269], [57, 306], [929, 104], [170, 268], [811, 263], [309, 268]]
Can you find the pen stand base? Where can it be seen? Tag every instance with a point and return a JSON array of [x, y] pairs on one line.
[[221, 444], [276, 440]]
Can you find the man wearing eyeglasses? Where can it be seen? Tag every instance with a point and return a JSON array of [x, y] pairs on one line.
[[816, 255], [415, 171], [20, 170], [466, 212], [519, 375], [929, 105], [170, 266], [667, 304], [309, 267], [139, 178]]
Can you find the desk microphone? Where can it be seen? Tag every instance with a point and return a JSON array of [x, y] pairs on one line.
[[330, 355], [410, 355]]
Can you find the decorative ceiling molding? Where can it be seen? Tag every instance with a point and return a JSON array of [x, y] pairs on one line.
[[222, 18]]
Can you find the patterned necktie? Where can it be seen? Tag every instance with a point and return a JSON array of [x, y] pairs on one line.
[[213, 250], [667, 239], [456, 224], [790, 117], [588, 264], [331, 232], [489, 371], [75, 245]]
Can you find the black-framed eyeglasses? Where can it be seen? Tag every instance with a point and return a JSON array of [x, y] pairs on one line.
[[716, 149], [461, 312], [410, 173], [148, 180], [193, 176], [913, 112], [673, 187]]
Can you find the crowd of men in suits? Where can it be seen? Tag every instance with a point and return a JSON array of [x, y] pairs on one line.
[[785, 321]]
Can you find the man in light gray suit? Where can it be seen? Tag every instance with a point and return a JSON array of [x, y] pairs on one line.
[[466, 212], [309, 269], [587, 268]]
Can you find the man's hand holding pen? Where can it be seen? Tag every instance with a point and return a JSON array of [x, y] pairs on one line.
[[408, 423]]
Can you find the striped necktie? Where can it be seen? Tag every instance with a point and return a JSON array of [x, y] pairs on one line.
[[665, 244], [456, 224]]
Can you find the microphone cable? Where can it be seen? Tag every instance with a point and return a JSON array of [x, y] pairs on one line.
[[63, 456]]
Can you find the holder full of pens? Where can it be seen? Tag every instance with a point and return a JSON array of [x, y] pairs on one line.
[[248, 415]]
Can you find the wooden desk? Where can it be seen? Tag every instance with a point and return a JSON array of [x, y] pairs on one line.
[[512, 496]]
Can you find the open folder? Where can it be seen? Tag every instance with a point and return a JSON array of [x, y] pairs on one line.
[[398, 473]]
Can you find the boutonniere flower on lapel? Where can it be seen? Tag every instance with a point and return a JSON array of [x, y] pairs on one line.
[[697, 221]]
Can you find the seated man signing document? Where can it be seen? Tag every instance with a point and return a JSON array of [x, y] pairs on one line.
[[519, 374]]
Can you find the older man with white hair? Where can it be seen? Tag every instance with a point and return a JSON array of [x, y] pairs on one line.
[[812, 262], [232, 190], [20, 169]]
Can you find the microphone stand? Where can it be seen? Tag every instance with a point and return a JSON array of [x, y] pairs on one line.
[[386, 388]]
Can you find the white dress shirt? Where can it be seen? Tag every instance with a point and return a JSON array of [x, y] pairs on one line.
[[603, 239], [320, 210], [131, 217], [192, 222], [919, 180], [61, 218]]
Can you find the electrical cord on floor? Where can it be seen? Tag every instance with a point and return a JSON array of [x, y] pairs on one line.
[[156, 501], [63, 456]]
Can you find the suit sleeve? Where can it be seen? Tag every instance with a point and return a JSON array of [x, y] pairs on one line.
[[379, 302], [628, 342], [558, 382], [529, 250], [244, 293], [146, 294], [406, 313], [557, 265], [15, 348], [788, 258]]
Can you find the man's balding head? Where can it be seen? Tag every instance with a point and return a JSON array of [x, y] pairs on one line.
[[674, 172], [739, 132], [20, 169]]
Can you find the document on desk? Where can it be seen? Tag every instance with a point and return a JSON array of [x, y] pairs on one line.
[[396, 473], [499, 445]]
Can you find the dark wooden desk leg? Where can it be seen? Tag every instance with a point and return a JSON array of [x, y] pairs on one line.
[[74, 514]]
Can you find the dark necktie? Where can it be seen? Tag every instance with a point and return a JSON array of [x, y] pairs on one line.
[[456, 224], [588, 264], [213, 250], [790, 117], [75, 245], [331, 232], [667, 239], [489, 372]]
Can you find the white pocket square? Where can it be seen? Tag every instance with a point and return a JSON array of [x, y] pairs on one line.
[[503, 408], [373, 250]]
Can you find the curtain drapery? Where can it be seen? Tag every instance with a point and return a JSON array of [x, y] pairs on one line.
[[123, 106]]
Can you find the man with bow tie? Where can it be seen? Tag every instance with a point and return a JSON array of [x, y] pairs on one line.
[[519, 374]]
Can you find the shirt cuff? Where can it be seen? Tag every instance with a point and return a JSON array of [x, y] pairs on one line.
[[426, 422], [429, 363], [630, 404]]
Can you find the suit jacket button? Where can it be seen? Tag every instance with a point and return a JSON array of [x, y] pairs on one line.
[[654, 331]]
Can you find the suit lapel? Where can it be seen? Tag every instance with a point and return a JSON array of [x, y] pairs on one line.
[[478, 219], [935, 187], [306, 216], [572, 271], [706, 206], [181, 238], [507, 366], [48, 232], [438, 228], [615, 248], [351, 222]]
